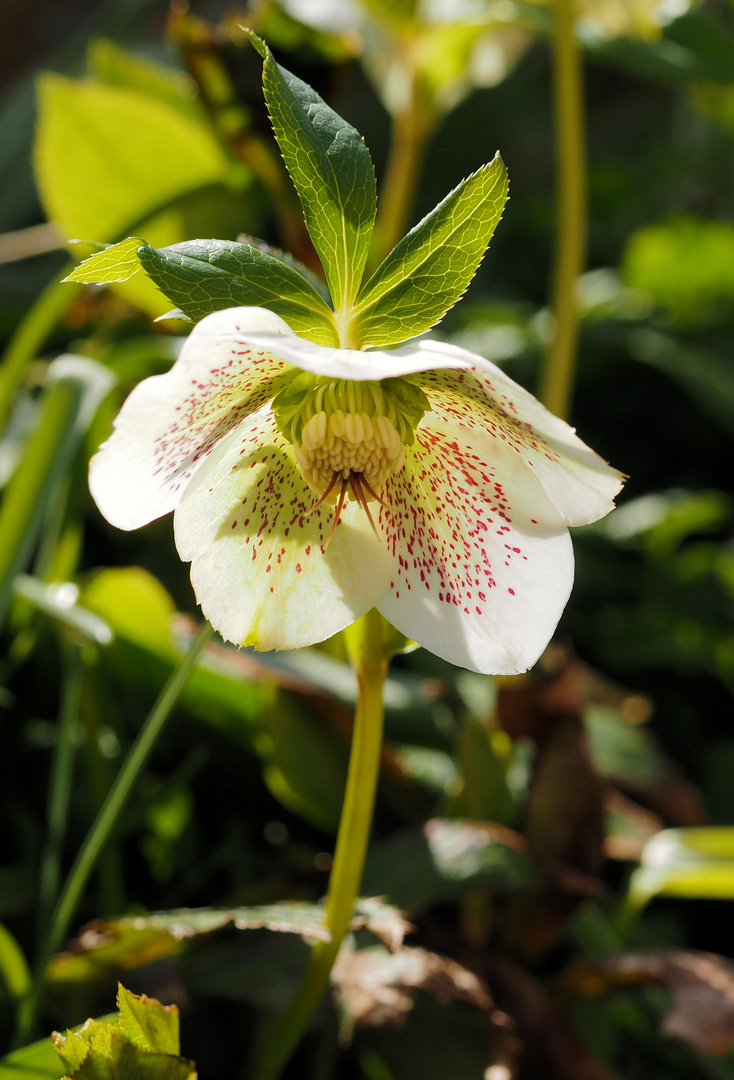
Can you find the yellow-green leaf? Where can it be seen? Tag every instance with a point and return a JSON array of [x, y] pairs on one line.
[[107, 157], [118, 262], [430, 268]]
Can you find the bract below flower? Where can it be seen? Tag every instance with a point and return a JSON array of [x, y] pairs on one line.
[[421, 481]]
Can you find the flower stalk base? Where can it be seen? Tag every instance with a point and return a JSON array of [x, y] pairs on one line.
[[364, 642]]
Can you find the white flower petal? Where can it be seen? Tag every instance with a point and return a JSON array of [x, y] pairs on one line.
[[484, 561], [351, 363], [170, 422], [578, 481], [258, 565]]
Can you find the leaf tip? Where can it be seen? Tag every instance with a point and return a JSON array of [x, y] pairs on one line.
[[257, 42]]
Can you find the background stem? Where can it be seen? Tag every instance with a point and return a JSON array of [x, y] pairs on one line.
[[31, 334], [557, 382], [364, 641], [100, 831], [62, 768], [411, 128]]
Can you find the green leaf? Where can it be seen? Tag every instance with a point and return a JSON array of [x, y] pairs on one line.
[[39, 1061], [14, 970], [686, 265], [694, 863], [148, 1024], [128, 943], [142, 1041], [202, 276], [332, 171], [111, 1058], [117, 262], [110, 64], [286, 257], [73, 1048], [106, 157], [428, 271]]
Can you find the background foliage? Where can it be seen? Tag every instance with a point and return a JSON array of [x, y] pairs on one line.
[[567, 837]]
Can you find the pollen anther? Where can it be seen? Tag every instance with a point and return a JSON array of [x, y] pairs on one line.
[[349, 431], [344, 444]]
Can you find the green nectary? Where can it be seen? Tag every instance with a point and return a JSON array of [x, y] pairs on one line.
[[306, 395]]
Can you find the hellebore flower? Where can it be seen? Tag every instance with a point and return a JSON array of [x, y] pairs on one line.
[[311, 484]]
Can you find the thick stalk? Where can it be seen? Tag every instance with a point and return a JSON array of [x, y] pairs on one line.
[[99, 833], [364, 641], [411, 128], [560, 361]]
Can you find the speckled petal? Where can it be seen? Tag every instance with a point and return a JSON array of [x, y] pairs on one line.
[[358, 365], [484, 564], [259, 567], [578, 482], [170, 422]]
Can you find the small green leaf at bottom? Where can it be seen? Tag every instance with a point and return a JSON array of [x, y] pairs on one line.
[[141, 1045], [147, 1023]]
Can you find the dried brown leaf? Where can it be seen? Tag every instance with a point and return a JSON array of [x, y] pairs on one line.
[[702, 986], [376, 987]]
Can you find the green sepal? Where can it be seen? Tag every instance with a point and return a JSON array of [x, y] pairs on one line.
[[331, 170], [430, 268], [201, 276]]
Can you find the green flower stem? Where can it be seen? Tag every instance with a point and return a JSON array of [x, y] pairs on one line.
[[100, 831], [364, 641], [62, 768], [557, 382], [30, 336]]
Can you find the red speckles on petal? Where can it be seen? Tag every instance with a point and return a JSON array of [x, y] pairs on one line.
[[471, 400], [437, 510], [209, 411]]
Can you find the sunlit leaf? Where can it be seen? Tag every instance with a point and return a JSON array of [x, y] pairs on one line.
[[202, 276], [114, 66], [376, 987], [147, 1023], [694, 863], [332, 172], [118, 262], [38, 1061], [124, 944], [685, 265], [106, 157], [430, 268]]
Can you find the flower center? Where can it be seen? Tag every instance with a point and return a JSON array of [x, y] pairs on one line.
[[348, 437]]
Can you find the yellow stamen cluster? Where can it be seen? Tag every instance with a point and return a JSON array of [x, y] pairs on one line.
[[349, 436], [340, 444]]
